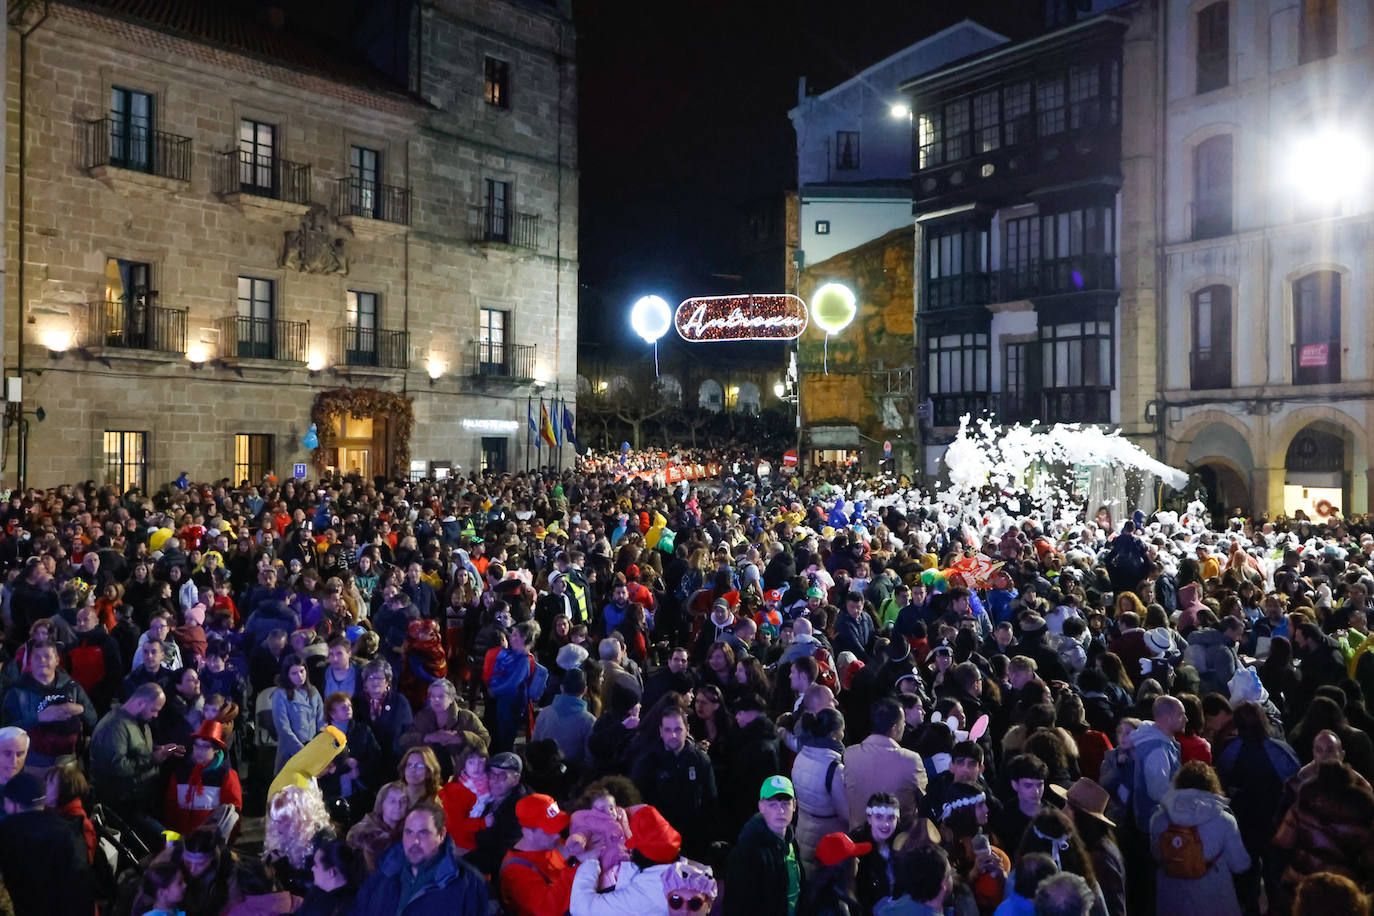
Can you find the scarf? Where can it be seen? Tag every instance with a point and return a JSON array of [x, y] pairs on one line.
[[197, 780], [1057, 845]]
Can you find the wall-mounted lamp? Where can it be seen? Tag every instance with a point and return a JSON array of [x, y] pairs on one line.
[[435, 367], [315, 364], [197, 354], [58, 342]]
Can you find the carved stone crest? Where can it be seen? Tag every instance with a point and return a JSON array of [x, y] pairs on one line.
[[317, 247]]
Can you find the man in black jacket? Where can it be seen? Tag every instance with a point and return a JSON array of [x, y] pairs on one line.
[[42, 860], [754, 757], [676, 777], [504, 771], [763, 876]]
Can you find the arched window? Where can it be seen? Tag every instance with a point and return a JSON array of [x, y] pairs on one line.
[[1212, 188], [711, 396], [1212, 337], [1317, 328]]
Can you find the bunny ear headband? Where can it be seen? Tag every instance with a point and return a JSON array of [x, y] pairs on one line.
[[980, 727]]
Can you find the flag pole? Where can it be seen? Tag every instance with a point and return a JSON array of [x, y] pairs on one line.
[[529, 421]]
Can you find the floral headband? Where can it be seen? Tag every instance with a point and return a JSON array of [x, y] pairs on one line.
[[882, 809], [956, 804]]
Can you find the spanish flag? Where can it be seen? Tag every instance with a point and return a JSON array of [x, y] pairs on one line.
[[546, 427]]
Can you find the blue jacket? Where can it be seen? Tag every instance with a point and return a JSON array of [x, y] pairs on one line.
[[297, 720], [455, 889], [1157, 759]]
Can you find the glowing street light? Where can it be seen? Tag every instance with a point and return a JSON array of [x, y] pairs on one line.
[[833, 307], [779, 389], [1328, 166], [900, 110], [650, 318]]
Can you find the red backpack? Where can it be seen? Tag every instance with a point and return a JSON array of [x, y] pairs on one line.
[[86, 665]]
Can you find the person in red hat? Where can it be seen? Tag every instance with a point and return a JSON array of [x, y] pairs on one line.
[[201, 782], [535, 877], [654, 846], [831, 889]]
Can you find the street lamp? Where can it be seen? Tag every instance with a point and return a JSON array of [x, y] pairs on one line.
[[779, 389], [1328, 166], [900, 110], [650, 317]]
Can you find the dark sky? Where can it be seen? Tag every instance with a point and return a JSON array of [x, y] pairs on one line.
[[684, 120]]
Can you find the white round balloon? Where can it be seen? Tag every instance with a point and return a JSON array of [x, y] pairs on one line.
[[650, 318]]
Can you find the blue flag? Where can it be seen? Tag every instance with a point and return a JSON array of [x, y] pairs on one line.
[[534, 427], [569, 426]]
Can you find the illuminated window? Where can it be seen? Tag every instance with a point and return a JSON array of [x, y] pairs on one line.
[[496, 83], [252, 457], [126, 460]]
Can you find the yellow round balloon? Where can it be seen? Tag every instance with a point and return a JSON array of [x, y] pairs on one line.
[[833, 307]]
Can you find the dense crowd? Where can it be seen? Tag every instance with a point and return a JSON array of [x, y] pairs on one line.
[[760, 695]]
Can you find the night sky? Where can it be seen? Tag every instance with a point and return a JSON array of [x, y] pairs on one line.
[[684, 121]]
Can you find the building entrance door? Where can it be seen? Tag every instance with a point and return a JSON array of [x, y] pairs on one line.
[[360, 445]]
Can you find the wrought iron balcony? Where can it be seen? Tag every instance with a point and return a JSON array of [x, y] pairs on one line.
[[1211, 368], [497, 360], [373, 347], [372, 200], [495, 224], [264, 338], [242, 172], [108, 142], [136, 325]]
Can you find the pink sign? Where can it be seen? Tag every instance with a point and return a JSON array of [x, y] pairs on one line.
[[1314, 355]]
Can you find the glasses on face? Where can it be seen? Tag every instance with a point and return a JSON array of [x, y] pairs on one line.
[[694, 903]]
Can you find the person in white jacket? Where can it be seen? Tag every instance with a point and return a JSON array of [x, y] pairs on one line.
[[818, 776], [638, 891]]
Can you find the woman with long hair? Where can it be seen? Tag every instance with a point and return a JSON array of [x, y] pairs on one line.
[[297, 710], [160, 890], [420, 773], [297, 823], [1053, 833], [1087, 805], [719, 670]]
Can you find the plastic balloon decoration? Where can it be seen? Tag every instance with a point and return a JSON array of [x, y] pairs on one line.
[[651, 318], [311, 439], [833, 307]]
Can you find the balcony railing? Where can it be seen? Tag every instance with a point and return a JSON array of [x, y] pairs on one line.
[[137, 326], [1057, 275], [494, 224], [948, 408], [242, 172], [357, 197], [1316, 362], [963, 289], [264, 338], [374, 347], [138, 149], [1077, 405], [514, 361], [1211, 368]]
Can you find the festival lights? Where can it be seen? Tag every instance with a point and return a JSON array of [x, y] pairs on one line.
[[751, 317]]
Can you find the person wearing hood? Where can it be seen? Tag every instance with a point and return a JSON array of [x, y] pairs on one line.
[[720, 627], [1194, 831], [755, 753], [1157, 756], [1212, 651], [854, 628]]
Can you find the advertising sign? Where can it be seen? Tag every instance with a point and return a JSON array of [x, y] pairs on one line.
[[1314, 355]]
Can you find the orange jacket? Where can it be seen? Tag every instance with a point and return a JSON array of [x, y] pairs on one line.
[[536, 882]]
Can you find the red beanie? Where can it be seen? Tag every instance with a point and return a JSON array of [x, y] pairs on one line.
[[653, 836]]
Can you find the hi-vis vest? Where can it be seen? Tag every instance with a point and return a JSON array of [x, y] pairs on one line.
[[578, 591]]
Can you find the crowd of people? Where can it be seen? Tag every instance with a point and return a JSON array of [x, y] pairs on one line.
[[590, 693]]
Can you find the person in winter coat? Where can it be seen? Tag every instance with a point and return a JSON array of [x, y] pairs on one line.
[[514, 679], [1212, 651], [880, 764], [423, 875], [49, 705], [425, 661], [754, 756], [201, 782], [446, 725], [641, 881], [854, 628], [297, 710], [1195, 812], [676, 777], [380, 828], [1330, 828], [94, 660], [818, 777], [382, 708], [1253, 768], [763, 875], [566, 720], [1156, 757]]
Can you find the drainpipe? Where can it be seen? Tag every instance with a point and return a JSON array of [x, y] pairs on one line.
[[15, 411]]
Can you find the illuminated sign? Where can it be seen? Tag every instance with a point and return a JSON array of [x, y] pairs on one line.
[[491, 426], [756, 317]]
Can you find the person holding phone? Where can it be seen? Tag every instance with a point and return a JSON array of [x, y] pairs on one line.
[[125, 764]]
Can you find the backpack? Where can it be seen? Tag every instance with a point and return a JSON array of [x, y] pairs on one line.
[[830, 775], [1180, 852]]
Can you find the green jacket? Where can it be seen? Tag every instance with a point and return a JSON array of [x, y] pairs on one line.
[[123, 771]]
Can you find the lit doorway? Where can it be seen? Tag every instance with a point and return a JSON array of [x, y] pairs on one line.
[[360, 444], [494, 454]]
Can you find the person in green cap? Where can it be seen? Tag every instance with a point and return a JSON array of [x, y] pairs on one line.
[[763, 874]]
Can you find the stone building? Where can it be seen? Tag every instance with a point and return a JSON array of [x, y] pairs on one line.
[[858, 388], [1268, 370], [233, 231]]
